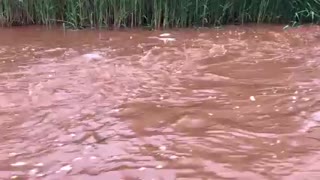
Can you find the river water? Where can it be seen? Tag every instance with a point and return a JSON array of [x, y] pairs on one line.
[[240, 102]]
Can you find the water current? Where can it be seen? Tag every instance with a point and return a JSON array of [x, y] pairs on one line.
[[241, 102]]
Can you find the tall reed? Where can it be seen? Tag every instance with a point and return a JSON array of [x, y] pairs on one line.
[[157, 13]]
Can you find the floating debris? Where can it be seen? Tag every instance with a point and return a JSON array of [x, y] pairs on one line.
[[14, 177], [142, 169], [210, 114], [17, 164], [252, 98]]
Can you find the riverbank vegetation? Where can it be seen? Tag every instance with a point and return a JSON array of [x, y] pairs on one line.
[[156, 13]]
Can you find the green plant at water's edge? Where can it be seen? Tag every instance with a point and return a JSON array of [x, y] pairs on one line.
[[157, 13]]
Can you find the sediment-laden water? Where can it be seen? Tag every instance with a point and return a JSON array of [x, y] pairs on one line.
[[235, 103]]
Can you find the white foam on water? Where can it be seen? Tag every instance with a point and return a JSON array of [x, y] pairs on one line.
[[164, 34], [159, 166], [308, 125], [165, 40], [54, 49], [17, 164], [316, 116], [92, 56], [66, 168], [77, 159], [13, 154], [312, 121], [93, 157], [33, 172], [173, 157], [14, 177], [163, 148], [39, 164]]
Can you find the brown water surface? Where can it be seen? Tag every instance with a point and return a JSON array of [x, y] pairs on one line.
[[234, 103]]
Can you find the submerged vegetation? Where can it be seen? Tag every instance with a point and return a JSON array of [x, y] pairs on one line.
[[156, 13]]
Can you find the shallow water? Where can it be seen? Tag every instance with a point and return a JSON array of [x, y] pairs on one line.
[[234, 103]]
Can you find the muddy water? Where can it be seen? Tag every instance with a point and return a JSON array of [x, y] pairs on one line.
[[235, 103]]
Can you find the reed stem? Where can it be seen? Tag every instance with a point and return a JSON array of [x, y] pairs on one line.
[[157, 13]]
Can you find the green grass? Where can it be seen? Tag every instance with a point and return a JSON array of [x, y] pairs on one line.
[[157, 13]]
